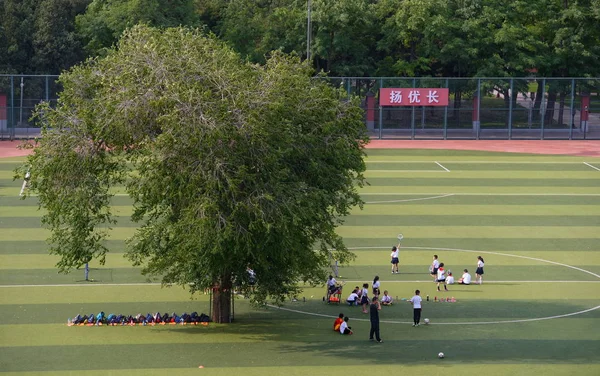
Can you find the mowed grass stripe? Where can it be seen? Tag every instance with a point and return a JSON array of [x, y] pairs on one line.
[[41, 247], [292, 353], [409, 256], [478, 198], [481, 182], [388, 232], [365, 273], [401, 209], [522, 245], [469, 166], [474, 220], [91, 293], [534, 232], [342, 370], [441, 189], [382, 220], [547, 175], [7, 214]]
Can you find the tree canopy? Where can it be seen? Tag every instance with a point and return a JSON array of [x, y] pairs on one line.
[[229, 164]]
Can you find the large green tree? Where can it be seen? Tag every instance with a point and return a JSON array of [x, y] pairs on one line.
[[229, 165]]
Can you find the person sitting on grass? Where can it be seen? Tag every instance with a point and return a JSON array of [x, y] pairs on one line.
[[466, 278], [353, 298], [450, 278], [344, 328], [338, 322], [386, 299]]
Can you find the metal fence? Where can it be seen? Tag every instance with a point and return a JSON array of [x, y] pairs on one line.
[[479, 108]]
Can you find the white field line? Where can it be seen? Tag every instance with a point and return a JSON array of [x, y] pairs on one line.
[[473, 284], [475, 194], [409, 199], [381, 171], [439, 164], [478, 162], [448, 323], [595, 168]]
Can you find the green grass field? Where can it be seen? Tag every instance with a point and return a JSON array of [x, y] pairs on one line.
[[535, 219]]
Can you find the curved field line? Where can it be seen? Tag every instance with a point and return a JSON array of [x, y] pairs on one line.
[[410, 199]]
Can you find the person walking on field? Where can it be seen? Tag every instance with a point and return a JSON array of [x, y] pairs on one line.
[[416, 303], [479, 271], [433, 269], [395, 259], [374, 315]]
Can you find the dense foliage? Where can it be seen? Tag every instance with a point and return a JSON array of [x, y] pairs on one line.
[[456, 38], [229, 164]]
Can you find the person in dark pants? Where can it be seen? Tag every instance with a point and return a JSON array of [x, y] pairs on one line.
[[374, 313], [416, 303]]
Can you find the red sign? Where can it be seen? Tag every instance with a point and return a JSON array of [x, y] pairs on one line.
[[413, 97]]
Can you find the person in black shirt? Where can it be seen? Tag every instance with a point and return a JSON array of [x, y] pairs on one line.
[[374, 313]]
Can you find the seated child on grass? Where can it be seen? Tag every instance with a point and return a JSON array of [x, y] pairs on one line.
[[386, 299]]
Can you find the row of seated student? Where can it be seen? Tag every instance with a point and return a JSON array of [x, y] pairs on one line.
[[355, 298], [149, 319]]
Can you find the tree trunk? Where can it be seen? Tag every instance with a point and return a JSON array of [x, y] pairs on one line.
[[538, 101], [549, 116], [457, 102], [221, 301], [561, 107]]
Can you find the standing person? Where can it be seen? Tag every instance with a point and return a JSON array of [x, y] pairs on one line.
[[364, 297], [441, 277], [435, 264], [395, 258], [374, 315], [479, 271], [416, 303], [376, 291]]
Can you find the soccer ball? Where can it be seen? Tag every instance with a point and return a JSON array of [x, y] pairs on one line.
[[426, 321], [441, 355]]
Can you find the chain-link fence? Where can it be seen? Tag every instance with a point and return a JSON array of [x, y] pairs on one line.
[[478, 108]]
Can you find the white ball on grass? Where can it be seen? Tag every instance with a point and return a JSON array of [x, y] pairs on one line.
[[441, 355]]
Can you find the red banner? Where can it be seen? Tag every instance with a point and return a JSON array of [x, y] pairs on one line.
[[413, 97]]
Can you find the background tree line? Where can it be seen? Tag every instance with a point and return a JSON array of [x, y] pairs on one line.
[[452, 38]]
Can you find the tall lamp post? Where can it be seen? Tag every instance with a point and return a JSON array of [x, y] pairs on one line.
[[308, 30]]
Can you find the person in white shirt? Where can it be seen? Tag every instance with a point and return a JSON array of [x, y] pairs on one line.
[[344, 328], [353, 298], [375, 286], [466, 278], [364, 297], [395, 258], [479, 271], [450, 278], [433, 269], [416, 303], [441, 277], [386, 299]]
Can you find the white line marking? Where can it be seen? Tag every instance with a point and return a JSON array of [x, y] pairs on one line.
[[446, 323], [438, 171], [439, 164], [474, 284], [409, 199], [483, 162], [477, 194], [595, 168]]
